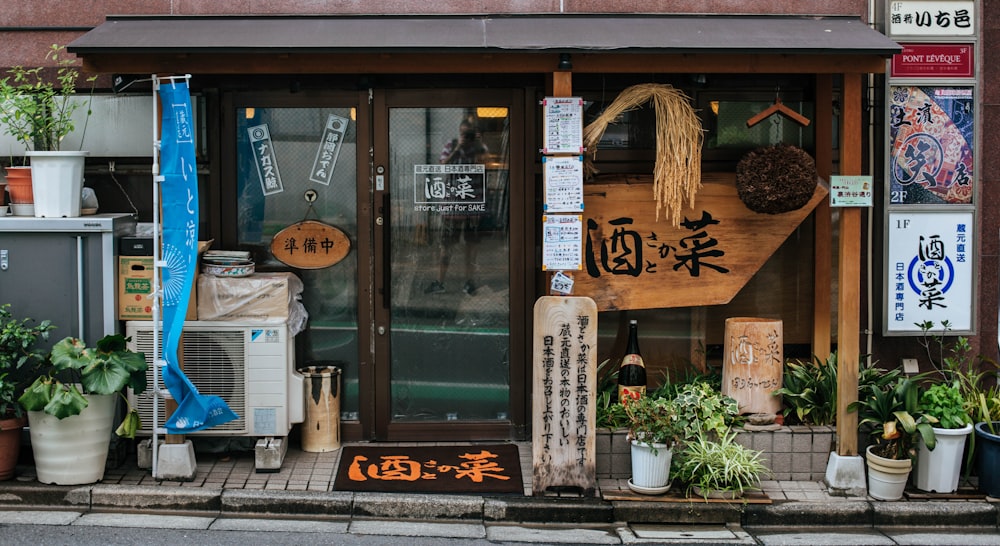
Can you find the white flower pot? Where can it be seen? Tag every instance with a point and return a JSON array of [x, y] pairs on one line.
[[74, 450], [57, 183], [938, 469], [650, 471], [886, 477]]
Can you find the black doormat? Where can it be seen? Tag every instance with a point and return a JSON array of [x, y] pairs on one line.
[[476, 469]]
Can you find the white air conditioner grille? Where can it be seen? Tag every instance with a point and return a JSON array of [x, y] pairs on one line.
[[215, 362]]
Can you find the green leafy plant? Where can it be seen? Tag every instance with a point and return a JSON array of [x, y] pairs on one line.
[[721, 465], [955, 362], [652, 420], [36, 110], [944, 402], [892, 416], [106, 369], [18, 356], [703, 408], [809, 391]]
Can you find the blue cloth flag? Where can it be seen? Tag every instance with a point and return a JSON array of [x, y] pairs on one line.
[[194, 411]]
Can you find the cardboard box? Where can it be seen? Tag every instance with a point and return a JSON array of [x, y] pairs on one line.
[[135, 284], [265, 297]]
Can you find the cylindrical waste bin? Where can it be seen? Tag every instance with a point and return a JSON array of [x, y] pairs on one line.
[[321, 426]]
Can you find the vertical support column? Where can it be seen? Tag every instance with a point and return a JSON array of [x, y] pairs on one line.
[[562, 86], [849, 279], [823, 229]]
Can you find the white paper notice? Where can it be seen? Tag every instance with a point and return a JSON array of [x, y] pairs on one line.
[[562, 243], [563, 125], [563, 183]]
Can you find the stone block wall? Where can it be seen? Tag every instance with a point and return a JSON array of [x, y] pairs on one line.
[[797, 453]]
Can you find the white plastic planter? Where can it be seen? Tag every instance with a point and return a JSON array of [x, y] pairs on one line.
[[650, 472], [74, 450], [57, 183], [938, 470], [886, 477]]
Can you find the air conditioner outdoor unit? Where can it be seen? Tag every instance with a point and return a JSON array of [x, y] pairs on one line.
[[250, 366]]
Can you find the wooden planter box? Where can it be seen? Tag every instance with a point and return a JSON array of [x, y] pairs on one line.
[[792, 453]]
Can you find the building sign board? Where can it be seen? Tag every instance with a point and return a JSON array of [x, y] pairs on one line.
[[633, 261], [931, 145], [929, 270], [934, 61], [932, 18]]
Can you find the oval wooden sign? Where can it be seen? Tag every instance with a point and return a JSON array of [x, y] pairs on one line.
[[310, 244]]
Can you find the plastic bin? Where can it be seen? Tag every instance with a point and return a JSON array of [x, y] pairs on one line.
[[321, 423]]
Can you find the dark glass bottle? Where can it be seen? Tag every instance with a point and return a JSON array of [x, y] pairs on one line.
[[632, 371]]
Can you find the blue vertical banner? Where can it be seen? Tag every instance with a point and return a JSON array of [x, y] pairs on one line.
[[180, 256]]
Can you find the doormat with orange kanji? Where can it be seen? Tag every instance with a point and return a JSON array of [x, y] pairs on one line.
[[430, 469]]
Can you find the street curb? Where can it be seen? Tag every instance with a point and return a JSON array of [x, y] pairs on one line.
[[292, 503], [152, 498], [853, 513], [966, 514], [436, 507]]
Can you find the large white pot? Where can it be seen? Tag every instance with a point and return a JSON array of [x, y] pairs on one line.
[[650, 466], [57, 183], [938, 469], [74, 450], [886, 477]]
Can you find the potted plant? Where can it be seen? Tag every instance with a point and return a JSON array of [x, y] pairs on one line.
[[70, 422], [938, 469], [17, 355], [987, 461], [38, 112], [721, 468], [653, 429], [892, 416]]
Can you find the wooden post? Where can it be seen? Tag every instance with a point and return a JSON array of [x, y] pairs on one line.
[[823, 228], [849, 280], [562, 86]]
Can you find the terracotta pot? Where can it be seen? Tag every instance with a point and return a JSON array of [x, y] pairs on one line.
[[19, 185], [10, 444]]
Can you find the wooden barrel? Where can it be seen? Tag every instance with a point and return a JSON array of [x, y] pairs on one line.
[[321, 423], [753, 363]]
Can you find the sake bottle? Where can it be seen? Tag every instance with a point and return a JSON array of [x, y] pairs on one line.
[[632, 371]]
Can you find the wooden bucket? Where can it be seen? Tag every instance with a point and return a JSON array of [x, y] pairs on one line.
[[753, 363]]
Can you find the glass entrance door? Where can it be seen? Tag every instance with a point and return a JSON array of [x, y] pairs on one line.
[[442, 194]]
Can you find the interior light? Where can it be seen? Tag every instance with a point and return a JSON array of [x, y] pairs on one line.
[[715, 107], [251, 112], [354, 114], [491, 112]]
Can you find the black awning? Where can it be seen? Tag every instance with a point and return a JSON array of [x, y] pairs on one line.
[[710, 34]]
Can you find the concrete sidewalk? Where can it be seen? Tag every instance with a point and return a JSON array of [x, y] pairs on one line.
[[227, 484]]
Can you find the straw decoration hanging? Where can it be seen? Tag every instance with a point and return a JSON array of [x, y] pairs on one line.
[[677, 171]]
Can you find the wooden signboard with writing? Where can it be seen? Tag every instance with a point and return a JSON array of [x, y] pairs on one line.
[[310, 244], [564, 387], [753, 363], [631, 261]]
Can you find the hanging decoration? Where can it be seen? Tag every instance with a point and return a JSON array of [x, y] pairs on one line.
[[776, 179], [310, 244], [679, 138]]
